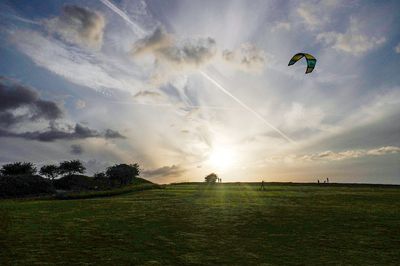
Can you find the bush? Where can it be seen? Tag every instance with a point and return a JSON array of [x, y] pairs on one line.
[[75, 182], [24, 185]]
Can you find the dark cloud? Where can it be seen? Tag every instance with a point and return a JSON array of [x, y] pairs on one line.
[[78, 25], [53, 134], [20, 104], [14, 96], [76, 149], [165, 171], [112, 134]]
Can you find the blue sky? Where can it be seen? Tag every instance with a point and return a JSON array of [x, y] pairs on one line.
[[186, 88]]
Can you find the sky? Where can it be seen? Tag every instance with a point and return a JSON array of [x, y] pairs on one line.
[[186, 88]]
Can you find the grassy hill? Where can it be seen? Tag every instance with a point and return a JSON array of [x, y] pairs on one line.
[[194, 224]]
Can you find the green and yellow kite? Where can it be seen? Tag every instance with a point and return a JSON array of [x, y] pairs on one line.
[[311, 61]]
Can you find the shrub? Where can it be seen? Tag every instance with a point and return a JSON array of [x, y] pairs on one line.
[[24, 185], [75, 182]]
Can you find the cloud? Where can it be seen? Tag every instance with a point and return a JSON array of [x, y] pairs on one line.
[[149, 97], [397, 48], [300, 117], [308, 12], [165, 171], [76, 65], [54, 133], [247, 58], [282, 25], [384, 150], [192, 52], [112, 134], [316, 14], [353, 41], [19, 103], [335, 156], [80, 104], [78, 25], [76, 149]]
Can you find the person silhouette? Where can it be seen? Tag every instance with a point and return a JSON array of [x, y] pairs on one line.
[[262, 185]]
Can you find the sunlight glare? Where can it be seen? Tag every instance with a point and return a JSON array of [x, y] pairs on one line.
[[221, 158]]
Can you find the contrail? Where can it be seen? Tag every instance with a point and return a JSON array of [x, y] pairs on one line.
[[21, 19], [136, 28], [219, 86], [173, 105]]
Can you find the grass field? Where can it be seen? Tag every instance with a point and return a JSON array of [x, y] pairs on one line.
[[222, 224]]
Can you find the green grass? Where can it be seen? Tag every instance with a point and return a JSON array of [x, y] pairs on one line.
[[193, 224], [105, 193]]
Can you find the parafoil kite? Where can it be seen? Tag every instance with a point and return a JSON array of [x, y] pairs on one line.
[[311, 61]]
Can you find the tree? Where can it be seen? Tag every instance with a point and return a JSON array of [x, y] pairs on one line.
[[211, 178], [123, 173], [18, 168], [71, 167], [99, 176], [51, 171]]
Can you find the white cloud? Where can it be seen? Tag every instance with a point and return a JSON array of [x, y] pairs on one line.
[[384, 150], [282, 25], [353, 41], [316, 14], [247, 58], [192, 52], [333, 156], [91, 70], [309, 13], [300, 117]]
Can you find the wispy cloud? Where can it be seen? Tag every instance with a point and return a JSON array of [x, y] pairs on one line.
[[164, 172], [247, 58], [326, 156], [78, 25]]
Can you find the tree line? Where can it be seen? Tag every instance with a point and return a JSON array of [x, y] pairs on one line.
[[121, 173]]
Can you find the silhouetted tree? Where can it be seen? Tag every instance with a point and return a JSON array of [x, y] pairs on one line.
[[50, 171], [123, 173], [18, 168], [211, 178], [99, 176], [71, 167]]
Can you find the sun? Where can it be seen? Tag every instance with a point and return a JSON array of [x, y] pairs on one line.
[[221, 158]]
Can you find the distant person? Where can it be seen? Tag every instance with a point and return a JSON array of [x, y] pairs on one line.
[[262, 185], [327, 180], [318, 181]]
